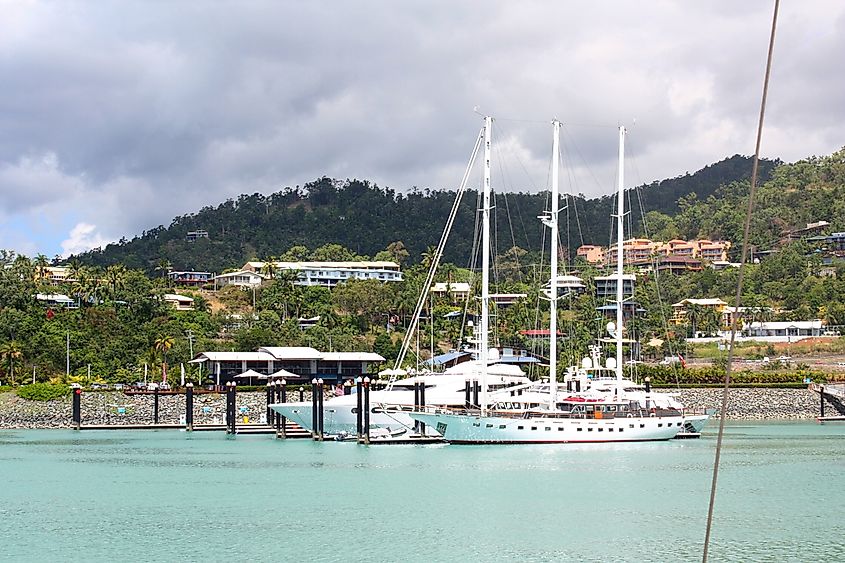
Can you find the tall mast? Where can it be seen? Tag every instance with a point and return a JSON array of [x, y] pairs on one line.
[[553, 265], [485, 266], [620, 213]]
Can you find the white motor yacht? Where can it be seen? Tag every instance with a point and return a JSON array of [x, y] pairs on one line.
[[390, 408]]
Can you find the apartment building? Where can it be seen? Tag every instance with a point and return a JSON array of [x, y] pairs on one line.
[[329, 274]]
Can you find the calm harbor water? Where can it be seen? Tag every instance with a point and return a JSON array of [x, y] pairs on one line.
[[168, 495]]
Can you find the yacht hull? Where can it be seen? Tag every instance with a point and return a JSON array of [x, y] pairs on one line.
[[464, 429], [341, 418], [695, 422]]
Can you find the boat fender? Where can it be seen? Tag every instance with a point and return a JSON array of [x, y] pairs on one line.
[[630, 415]]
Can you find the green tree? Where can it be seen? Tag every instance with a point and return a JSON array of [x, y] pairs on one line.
[[11, 352], [163, 344]]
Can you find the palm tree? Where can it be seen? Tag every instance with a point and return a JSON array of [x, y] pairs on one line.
[[164, 266], [163, 344], [11, 351], [116, 278], [40, 263], [397, 251], [269, 267], [428, 256]]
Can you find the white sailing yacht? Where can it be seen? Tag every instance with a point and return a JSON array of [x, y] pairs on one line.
[[390, 408], [588, 416]]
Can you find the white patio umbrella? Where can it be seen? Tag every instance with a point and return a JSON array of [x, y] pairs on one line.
[[251, 374], [284, 374]]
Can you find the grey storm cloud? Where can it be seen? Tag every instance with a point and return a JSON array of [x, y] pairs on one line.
[[124, 114]]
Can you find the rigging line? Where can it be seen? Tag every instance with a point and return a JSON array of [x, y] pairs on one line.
[[406, 341], [570, 172], [565, 130], [745, 240], [656, 266], [534, 188]]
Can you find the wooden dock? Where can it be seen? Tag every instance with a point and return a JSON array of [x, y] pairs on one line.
[[291, 430], [823, 419]]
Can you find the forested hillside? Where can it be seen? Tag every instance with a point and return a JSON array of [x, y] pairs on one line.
[[807, 191], [365, 218], [123, 323]]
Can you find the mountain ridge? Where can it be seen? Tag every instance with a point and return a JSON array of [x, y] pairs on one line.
[[365, 218]]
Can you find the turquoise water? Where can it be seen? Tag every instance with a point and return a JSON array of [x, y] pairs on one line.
[[172, 496]]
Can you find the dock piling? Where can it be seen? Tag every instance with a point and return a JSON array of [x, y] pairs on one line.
[[231, 401], [422, 407], [313, 408], [320, 412], [360, 411], [416, 405], [270, 393], [76, 411], [476, 389], [367, 410], [189, 407], [283, 397], [821, 400], [155, 403]]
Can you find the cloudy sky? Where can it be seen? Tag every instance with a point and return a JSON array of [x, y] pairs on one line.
[[117, 116]]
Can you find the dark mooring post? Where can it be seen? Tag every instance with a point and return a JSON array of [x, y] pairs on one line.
[[301, 393], [416, 405], [422, 407], [76, 408], [360, 410], [821, 401], [476, 388], [270, 393], [231, 400], [281, 397], [320, 413], [467, 399], [155, 404], [189, 407], [366, 410], [314, 408]]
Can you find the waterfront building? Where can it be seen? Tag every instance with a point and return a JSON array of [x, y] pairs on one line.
[[304, 362]]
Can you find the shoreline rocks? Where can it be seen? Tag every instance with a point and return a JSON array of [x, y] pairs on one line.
[[117, 408]]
